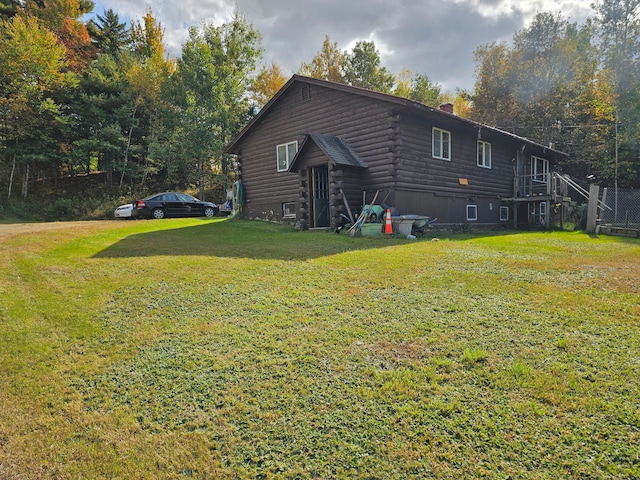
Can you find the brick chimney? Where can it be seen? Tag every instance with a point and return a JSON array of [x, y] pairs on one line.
[[447, 107]]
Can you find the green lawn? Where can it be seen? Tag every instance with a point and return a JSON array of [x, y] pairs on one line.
[[195, 348]]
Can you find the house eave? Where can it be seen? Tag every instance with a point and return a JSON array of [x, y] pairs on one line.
[[404, 103]]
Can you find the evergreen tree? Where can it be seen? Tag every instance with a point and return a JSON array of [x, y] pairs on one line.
[[9, 8], [110, 36]]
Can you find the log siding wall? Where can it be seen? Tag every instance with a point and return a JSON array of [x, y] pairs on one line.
[[361, 122], [394, 140], [436, 187]]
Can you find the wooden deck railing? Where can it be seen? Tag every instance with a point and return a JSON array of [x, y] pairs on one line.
[[533, 185]]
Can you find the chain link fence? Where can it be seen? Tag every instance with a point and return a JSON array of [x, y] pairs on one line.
[[622, 208]]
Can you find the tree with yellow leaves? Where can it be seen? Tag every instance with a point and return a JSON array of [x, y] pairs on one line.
[[267, 83]]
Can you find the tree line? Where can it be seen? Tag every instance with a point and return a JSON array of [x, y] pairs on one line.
[[79, 97], [576, 87], [84, 96]]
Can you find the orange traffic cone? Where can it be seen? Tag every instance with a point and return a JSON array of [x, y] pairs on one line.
[[388, 229]]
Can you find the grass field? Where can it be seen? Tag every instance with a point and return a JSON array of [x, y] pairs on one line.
[[227, 349]]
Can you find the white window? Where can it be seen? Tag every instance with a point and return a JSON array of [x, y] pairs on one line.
[[539, 169], [441, 144], [538, 213], [289, 210], [543, 213], [484, 154], [472, 213], [504, 214], [285, 153]]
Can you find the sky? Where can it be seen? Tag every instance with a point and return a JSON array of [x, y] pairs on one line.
[[430, 37]]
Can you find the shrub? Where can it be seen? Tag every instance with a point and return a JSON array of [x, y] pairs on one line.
[[60, 209]]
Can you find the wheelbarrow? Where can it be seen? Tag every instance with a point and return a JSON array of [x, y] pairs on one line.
[[420, 224]]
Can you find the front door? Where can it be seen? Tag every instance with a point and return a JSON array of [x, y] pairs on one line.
[[319, 196]]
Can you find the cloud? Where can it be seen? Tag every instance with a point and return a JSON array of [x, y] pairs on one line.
[[432, 37]]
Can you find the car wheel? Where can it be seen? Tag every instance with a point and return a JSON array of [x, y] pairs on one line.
[[209, 212], [157, 213]]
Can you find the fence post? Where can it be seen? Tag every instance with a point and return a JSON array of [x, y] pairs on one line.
[[592, 212], [603, 203]]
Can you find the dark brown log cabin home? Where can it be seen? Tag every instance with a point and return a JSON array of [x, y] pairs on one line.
[[317, 142]]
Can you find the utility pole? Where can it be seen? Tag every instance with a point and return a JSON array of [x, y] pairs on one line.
[[615, 179]]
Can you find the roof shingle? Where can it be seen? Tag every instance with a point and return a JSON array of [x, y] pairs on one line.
[[337, 150]]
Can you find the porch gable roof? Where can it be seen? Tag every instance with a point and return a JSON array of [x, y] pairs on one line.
[[336, 149]]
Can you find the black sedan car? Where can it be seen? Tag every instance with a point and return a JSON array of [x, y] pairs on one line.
[[173, 204]]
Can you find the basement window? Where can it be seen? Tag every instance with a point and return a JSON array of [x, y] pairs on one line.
[[504, 214], [472, 213], [441, 144], [285, 153], [289, 210]]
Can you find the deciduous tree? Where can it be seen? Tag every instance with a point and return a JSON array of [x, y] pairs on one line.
[[494, 101], [618, 23], [213, 75], [543, 86], [418, 87], [147, 78], [362, 68], [63, 17], [267, 83], [31, 67], [327, 63]]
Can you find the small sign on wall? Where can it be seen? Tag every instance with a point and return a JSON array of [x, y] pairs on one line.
[[463, 181]]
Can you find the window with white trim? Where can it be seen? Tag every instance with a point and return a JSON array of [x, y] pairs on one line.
[[289, 209], [543, 213], [539, 169], [441, 144], [484, 154], [472, 213], [285, 153], [504, 214]]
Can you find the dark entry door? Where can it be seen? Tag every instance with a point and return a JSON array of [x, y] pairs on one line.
[[320, 196]]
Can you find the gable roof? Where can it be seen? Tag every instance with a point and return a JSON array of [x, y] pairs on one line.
[[334, 148], [400, 101]]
